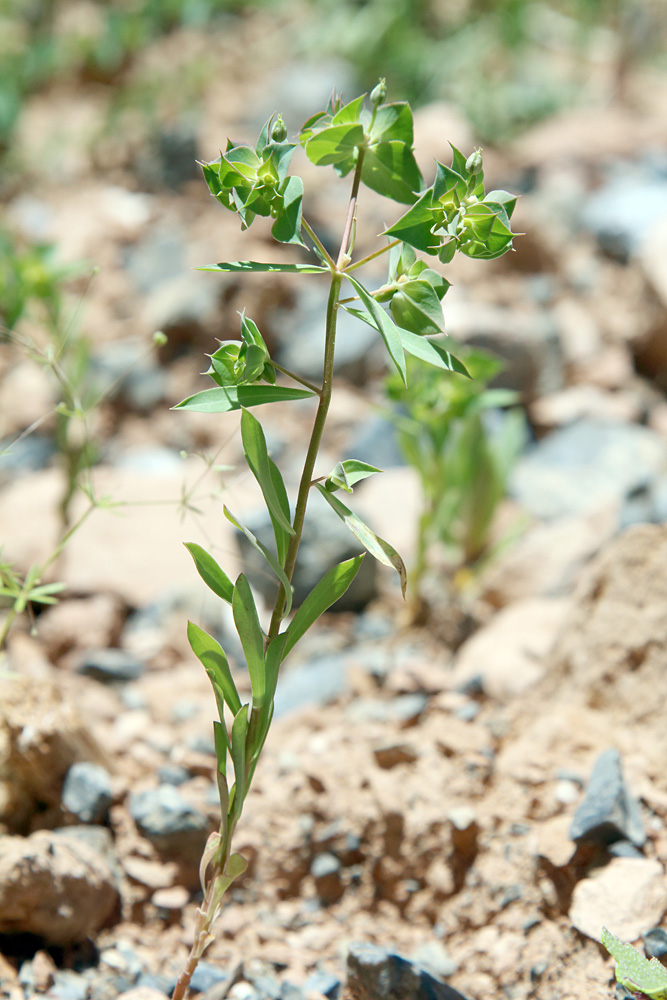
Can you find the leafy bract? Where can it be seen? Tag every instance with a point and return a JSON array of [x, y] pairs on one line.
[[456, 214], [267, 475], [233, 397], [378, 547], [633, 970], [349, 472], [343, 133]]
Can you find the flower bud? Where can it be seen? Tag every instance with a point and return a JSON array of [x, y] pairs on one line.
[[474, 162], [279, 130], [379, 93]]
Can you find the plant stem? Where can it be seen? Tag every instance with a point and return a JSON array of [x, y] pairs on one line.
[[325, 399], [372, 256], [293, 375], [313, 448]]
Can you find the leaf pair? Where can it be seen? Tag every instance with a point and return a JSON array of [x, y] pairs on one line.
[[456, 214], [255, 182], [336, 136]]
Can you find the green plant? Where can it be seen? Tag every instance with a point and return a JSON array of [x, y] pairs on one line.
[[374, 144], [646, 980], [462, 461]]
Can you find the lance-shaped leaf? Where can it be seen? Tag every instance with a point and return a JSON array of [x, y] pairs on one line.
[[238, 752], [267, 554], [222, 746], [213, 576], [384, 324], [245, 266], [434, 354], [633, 970], [275, 654], [257, 456], [349, 472], [250, 633], [325, 593], [378, 547], [212, 657], [223, 399]]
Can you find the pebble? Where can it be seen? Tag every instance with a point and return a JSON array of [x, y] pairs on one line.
[[608, 812], [315, 683], [171, 824], [175, 897], [110, 666], [404, 709], [392, 754], [326, 870], [629, 896], [206, 975], [374, 973], [324, 983], [173, 774], [655, 942], [68, 985], [87, 792]]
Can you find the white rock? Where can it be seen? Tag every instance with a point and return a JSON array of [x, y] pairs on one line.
[[628, 897]]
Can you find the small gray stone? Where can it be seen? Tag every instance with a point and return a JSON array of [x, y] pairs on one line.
[[173, 774], [375, 443], [655, 942], [206, 975], [87, 792], [316, 683], [160, 983], [110, 666], [624, 849], [608, 812], [171, 824], [404, 709], [323, 982], [68, 985], [376, 974]]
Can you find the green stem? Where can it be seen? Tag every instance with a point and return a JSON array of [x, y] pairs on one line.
[[313, 448], [293, 375], [372, 256]]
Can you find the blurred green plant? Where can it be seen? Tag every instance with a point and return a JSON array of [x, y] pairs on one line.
[[372, 140], [462, 442]]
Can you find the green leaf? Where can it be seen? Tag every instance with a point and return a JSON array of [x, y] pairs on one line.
[[434, 354], [416, 225], [225, 398], [281, 536], [243, 266], [266, 553], [335, 145], [238, 752], [349, 472], [250, 633], [378, 547], [210, 572], [504, 198], [633, 970], [325, 593], [393, 122], [391, 169], [416, 307], [257, 457], [287, 227], [274, 657], [384, 324], [212, 657]]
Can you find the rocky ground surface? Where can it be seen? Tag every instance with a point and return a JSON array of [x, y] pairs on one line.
[[466, 801]]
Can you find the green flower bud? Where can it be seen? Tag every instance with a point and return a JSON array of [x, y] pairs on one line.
[[279, 130], [379, 93], [474, 162]]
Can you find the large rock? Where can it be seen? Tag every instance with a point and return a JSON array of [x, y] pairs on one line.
[[50, 886], [41, 736], [374, 973]]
